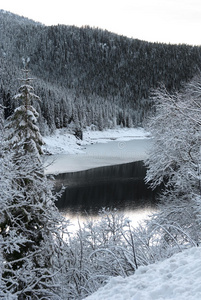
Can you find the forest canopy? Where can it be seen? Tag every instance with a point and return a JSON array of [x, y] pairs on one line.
[[87, 75]]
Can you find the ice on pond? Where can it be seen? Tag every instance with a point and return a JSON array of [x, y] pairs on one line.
[[96, 155]]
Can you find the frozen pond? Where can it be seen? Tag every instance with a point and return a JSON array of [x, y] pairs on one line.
[[98, 155], [107, 175]]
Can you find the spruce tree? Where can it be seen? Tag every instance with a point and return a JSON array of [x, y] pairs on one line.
[[31, 227]]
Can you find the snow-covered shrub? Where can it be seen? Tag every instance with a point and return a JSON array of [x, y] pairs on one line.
[[95, 253], [175, 161], [104, 248]]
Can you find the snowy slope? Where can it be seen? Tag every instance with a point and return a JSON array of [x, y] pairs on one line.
[[178, 278]]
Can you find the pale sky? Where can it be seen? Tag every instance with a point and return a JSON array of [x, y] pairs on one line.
[[168, 21]]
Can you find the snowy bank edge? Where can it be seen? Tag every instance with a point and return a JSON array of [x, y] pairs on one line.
[[176, 278], [64, 142]]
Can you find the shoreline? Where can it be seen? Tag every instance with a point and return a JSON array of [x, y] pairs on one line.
[[124, 149], [64, 142]]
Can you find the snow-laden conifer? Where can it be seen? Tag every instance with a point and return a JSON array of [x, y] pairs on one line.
[[31, 227], [24, 133]]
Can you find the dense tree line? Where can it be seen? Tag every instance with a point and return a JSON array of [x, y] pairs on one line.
[[88, 75]]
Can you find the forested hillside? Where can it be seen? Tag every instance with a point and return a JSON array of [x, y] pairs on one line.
[[87, 75]]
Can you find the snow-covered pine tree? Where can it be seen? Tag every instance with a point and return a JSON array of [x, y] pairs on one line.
[[24, 132], [31, 226]]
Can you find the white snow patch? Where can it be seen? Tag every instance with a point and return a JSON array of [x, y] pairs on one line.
[[176, 278], [62, 142], [118, 134]]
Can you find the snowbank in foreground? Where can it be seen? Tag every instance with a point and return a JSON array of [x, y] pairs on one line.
[[62, 142], [175, 278]]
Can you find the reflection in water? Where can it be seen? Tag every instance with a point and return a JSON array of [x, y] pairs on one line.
[[119, 186]]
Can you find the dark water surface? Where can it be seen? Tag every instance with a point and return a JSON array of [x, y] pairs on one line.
[[119, 186]]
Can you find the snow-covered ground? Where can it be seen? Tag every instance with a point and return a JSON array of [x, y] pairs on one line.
[[98, 148], [176, 278]]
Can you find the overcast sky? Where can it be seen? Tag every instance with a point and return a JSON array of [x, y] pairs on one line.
[[169, 21]]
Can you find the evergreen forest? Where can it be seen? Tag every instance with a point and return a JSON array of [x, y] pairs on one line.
[[88, 76]]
